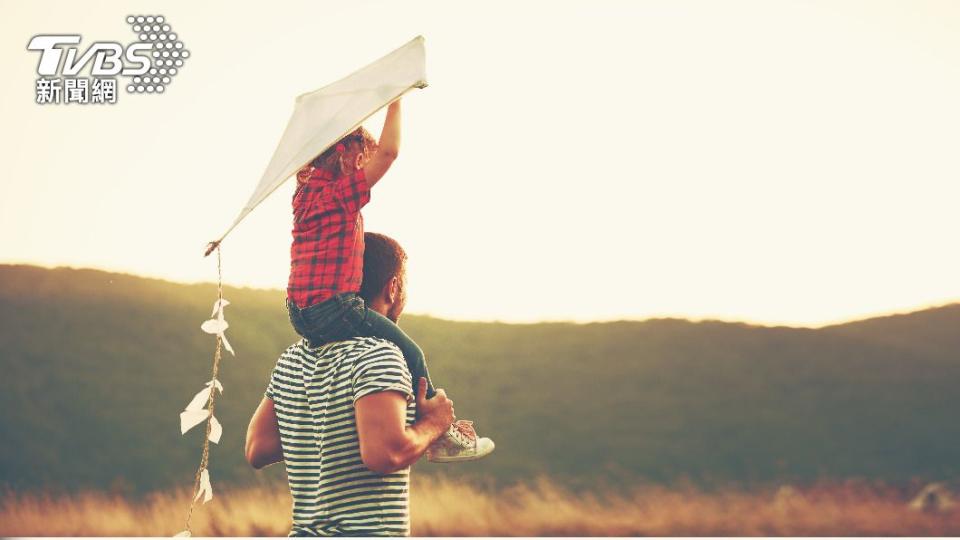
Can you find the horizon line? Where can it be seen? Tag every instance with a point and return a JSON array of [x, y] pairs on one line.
[[689, 318]]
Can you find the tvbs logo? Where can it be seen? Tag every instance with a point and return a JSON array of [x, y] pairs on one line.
[[107, 56], [148, 64]]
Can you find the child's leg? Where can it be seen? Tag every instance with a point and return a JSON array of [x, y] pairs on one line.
[[345, 316], [459, 442], [296, 319], [324, 322], [376, 325]]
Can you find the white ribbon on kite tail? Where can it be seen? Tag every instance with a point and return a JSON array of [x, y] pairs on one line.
[[324, 116], [206, 489], [195, 413], [217, 325]]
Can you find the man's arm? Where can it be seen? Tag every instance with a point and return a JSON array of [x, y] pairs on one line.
[[388, 148], [263, 436], [386, 443]]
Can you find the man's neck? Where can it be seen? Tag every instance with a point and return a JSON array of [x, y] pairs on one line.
[[380, 307]]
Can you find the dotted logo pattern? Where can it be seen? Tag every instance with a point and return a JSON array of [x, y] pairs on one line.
[[167, 53]]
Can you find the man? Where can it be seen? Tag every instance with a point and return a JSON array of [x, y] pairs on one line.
[[345, 413]]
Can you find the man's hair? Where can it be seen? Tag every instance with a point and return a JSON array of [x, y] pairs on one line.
[[383, 258]]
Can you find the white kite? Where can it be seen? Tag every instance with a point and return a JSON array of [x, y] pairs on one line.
[[324, 116]]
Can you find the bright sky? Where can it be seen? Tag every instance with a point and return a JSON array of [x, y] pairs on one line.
[[785, 162]]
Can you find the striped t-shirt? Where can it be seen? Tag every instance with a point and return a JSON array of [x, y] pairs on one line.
[[314, 391]]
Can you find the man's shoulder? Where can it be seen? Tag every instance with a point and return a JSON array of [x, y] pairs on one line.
[[357, 347]]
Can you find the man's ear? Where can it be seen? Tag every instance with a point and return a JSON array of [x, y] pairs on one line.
[[393, 289], [359, 160]]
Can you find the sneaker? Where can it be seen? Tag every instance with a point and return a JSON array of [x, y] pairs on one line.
[[459, 443]]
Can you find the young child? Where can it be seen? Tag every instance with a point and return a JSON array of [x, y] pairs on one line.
[[326, 263]]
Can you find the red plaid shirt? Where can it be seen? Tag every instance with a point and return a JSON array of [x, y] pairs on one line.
[[326, 257]]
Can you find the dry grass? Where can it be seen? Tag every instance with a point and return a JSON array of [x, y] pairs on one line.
[[539, 509]]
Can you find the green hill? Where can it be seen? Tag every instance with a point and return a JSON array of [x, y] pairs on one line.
[[97, 367]]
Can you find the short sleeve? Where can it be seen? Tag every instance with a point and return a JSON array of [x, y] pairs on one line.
[[381, 369], [275, 382], [354, 191], [269, 392]]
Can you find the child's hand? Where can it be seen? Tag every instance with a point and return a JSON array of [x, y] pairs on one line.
[[303, 175], [438, 410]]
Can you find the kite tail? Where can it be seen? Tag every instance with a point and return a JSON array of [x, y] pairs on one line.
[[198, 483]]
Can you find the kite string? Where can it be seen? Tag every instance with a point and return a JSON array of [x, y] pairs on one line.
[[211, 402]]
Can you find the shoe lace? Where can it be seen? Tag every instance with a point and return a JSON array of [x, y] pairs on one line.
[[465, 427]]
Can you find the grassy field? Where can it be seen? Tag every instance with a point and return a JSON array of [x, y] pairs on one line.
[[619, 401], [541, 508]]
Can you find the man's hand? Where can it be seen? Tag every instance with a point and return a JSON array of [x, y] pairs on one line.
[[438, 410]]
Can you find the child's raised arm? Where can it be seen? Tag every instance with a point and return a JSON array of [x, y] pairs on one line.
[[387, 149]]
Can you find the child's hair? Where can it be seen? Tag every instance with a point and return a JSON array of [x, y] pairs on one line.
[[359, 140]]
